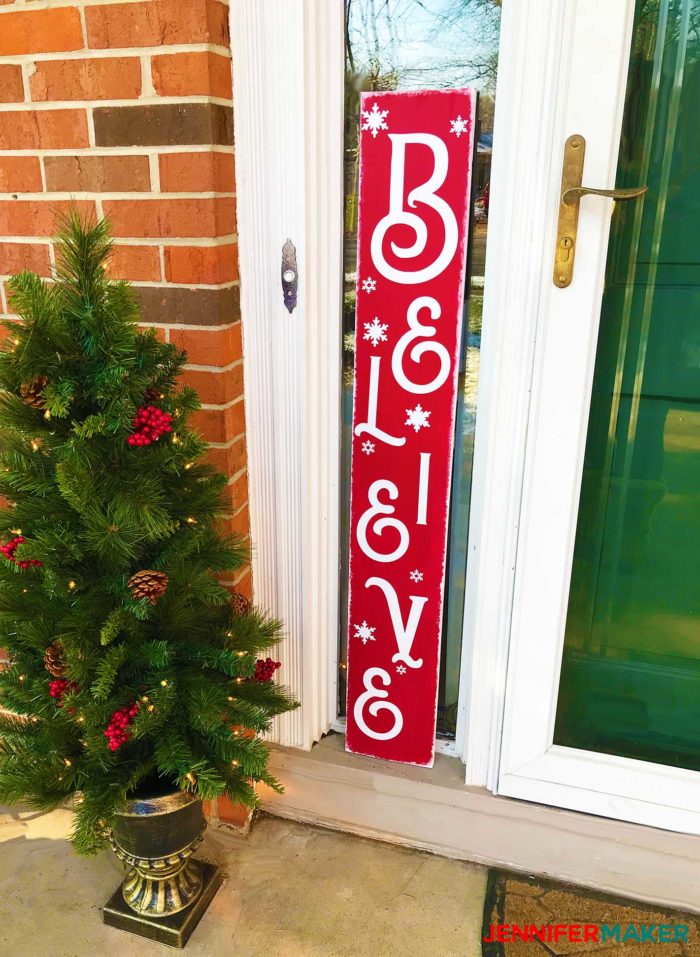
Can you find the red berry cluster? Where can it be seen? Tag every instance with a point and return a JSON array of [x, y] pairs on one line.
[[264, 670], [60, 687], [9, 549], [149, 424], [117, 732]]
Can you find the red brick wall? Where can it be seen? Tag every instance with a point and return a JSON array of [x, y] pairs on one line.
[[126, 108]]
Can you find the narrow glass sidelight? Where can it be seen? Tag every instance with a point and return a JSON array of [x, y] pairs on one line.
[[418, 45], [630, 679]]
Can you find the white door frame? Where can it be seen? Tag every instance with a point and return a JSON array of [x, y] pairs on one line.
[[288, 72], [525, 175], [288, 62], [288, 65], [589, 79]]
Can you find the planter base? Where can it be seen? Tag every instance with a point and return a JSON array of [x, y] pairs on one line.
[[174, 930]]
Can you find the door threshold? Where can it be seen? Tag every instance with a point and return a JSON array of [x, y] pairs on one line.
[[433, 810]]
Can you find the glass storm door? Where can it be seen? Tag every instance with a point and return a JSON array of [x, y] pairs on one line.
[[603, 701]]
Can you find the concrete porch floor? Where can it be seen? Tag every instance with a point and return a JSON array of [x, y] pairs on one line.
[[290, 891]]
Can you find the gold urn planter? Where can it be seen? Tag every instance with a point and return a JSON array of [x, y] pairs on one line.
[[165, 893]]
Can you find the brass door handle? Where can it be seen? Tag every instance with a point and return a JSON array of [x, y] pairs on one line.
[[569, 200], [572, 195]]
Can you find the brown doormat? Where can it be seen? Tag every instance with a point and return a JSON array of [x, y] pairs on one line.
[[588, 922]]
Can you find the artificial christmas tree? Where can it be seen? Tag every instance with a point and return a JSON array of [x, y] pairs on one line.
[[129, 666]]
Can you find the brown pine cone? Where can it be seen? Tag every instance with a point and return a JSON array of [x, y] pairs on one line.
[[240, 605], [152, 394], [148, 584], [53, 660], [31, 392]]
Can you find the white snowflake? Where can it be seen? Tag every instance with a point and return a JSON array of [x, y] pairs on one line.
[[368, 447], [375, 331], [400, 669], [459, 126], [364, 632], [369, 284], [418, 418], [373, 120], [416, 576]]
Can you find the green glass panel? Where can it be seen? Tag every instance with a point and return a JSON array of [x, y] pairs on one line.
[[630, 680]]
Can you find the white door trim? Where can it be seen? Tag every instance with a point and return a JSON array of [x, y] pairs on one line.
[[583, 93], [288, 65], [535, 36]]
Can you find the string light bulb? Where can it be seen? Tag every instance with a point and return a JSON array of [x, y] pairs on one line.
[[191, 520], [164, 683], [35, 444], [145, 698], [71, 584], [22, 678], [16, 531], [151, 708], [190, 777], [241, 654], [235, 764], [67, 762], [47, 414], [230, 698], [188, 465]]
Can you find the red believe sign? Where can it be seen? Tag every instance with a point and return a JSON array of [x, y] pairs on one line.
[[415, 183]]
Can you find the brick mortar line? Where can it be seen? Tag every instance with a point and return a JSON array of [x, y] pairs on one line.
[[42, 173], [170, 327], [187, 327], [146, 150], [210, 407], [137, 284], [50, 106], [239, 578], [153, 172], [90, 122], [58, 195], [236, 475], [229, 444], [21, 5], [50, 4], [149, 242], [193, 367], [169, 284], [104, 53], [25, 78], [83, 24]]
